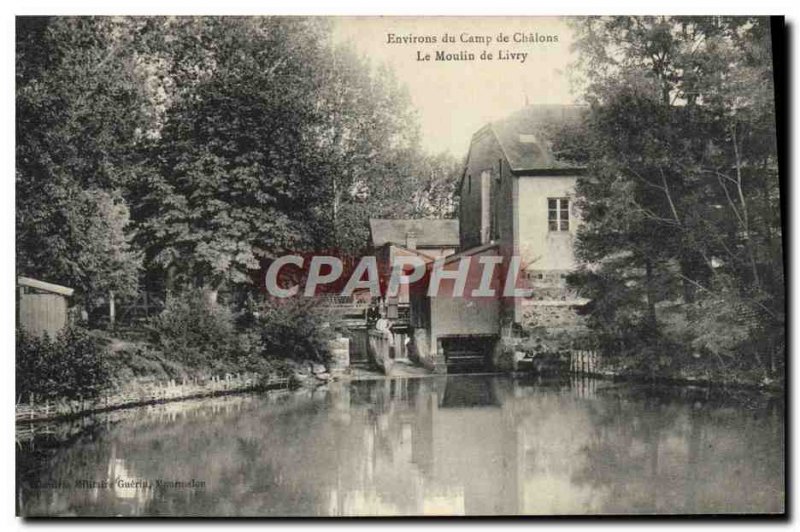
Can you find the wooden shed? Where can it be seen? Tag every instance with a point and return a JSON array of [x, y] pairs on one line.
[[42, 307]]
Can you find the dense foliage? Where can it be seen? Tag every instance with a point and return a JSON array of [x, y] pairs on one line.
[[681, 240], [202, 334], [79, 110], [295, 328], [196, 331], [176, 154], [71, 365], [182, 151]]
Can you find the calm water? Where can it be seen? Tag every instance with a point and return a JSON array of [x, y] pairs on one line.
[[474, 445]]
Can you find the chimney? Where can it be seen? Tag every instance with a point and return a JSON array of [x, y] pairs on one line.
[[411, 240]]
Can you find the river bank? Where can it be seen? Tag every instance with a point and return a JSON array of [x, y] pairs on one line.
[[157, 386], [698, 381], [692, 373], [140, 394], [139, 374], [307, 376]]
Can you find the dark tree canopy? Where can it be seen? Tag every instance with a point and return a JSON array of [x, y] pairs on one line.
[[226, 140], [80, 113]]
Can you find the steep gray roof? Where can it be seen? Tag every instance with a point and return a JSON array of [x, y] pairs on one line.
[[429, 233], [524, 135]]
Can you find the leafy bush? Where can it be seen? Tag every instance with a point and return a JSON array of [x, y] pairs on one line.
[[209, 336], [737, 336], [140, 362], [195, 331], [71, 365], [294, 328]]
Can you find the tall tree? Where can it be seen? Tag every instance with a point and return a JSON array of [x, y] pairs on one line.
[[234, 175], [80, 112], [681, 198], [273, 140]]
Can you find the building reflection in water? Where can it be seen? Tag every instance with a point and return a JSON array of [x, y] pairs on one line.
[[472, 445]]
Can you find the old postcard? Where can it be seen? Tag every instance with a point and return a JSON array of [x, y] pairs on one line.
[[399, 266]]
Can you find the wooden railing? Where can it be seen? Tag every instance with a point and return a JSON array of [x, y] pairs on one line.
[[585, 361], [145, 305], [343, 303]]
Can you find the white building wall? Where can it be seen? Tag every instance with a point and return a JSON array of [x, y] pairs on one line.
[[540, 248]]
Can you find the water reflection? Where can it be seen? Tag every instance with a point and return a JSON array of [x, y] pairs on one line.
[[474, 445]]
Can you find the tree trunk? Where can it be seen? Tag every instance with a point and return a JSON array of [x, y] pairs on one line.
[[688, 288], [112, 309], [169, 283], [651, 298], [695, 271]]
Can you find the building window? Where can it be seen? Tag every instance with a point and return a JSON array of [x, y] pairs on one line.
[[558, 214]]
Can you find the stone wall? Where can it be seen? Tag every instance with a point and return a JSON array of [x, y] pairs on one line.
[[544, 336], [550, 314]]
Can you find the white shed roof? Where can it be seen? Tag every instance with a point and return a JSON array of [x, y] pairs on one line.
[[46, 287]]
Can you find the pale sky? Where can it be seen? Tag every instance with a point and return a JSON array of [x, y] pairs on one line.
[[456, 98]]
